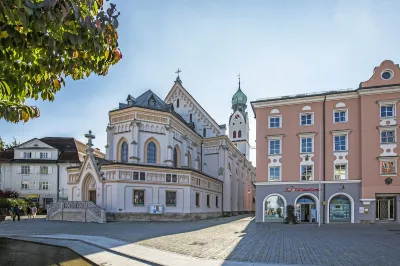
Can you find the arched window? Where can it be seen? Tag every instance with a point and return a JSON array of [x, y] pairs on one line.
[[124, 152], [176, 157], [239, 134], [177, 103], [151, 152], [234, 134], [189, 160], [191, 118], [274, 209], [204, 132]]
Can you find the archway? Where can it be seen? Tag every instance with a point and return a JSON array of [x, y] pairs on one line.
[[307, 208], [340, 208], [89, 189], [177, 157], [274, 208]]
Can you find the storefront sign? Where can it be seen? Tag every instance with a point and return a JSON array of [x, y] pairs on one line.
[[361, 210], [300, 189], [33, 196]]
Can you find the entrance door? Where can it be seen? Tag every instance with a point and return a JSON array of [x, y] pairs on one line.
[[92, 196], [385, 208], [306, 210]]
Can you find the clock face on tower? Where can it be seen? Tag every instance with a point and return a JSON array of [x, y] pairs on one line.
[[236, 117]]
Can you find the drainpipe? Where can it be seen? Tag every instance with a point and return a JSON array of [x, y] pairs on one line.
[[58, 182], [323, 161]]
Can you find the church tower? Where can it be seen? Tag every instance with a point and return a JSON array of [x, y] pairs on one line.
[[239, 123]]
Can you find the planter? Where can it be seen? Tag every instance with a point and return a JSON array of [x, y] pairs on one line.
[[2, 218]]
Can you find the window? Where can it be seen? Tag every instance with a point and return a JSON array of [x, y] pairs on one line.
[[43, 155], [124, 152], [138, 197], [388, 136], [208, 201], [234, 134], [44, 170], [306, 172], [170, 198], [306, 145], [275, 173], [216, 201], [388, 167], [340, 143], [176, 157], [151, 152], [340, 172], [239, 134], [204, 132], [197, 199], [25, 169], [274, 121], [177, 103], [340, 116], [24, 185], [274, 146], [27, 155], [142, 176], [306, 119], [387, 110], [171, 178], [44, 185]]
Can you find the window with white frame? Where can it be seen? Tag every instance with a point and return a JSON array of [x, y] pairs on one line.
[[340, 142], [44, 185], [25, 169], [306, 144], [387, 110], [306, 172], [43, 155], [24, 185], [275, 173], [27, 155], [340, 116], [388, 167], [388, 136], [306, 119], [274, 146], [274, 121], [44, 170], [340, 172]]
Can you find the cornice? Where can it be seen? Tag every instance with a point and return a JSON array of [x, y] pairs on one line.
[[379, 90], [291, 101], [343, 131]]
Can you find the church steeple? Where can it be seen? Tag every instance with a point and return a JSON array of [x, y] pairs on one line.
[[239, 100]]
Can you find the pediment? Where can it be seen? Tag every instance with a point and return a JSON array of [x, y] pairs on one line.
[[179, 92], [386, 74], [34, 144]]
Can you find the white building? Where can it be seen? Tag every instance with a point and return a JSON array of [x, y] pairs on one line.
[[37, 168], [168, 157]]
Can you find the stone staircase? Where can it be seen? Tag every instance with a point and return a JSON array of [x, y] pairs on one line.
[[76, 211]]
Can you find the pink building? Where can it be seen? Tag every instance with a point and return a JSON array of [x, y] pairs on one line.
[[347, 138]]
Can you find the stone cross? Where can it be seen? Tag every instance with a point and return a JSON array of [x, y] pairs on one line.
[[89, 136], [178, 71]]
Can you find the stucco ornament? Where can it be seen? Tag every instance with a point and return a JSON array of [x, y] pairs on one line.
[[388, 181]]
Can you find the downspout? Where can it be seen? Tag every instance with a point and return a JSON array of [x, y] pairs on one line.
[[323, 162], [58, 182]]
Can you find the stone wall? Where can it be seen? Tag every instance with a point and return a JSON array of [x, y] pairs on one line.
[[161, 217]]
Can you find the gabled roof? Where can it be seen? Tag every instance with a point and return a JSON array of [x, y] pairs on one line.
[[179, 85]]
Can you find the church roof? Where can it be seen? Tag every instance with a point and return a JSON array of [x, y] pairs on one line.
[[150, 100]]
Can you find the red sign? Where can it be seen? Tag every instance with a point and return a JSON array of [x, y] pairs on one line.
[[300, 189]]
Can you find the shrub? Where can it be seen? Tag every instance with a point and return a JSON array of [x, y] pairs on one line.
[[8, 194], [290, 216]]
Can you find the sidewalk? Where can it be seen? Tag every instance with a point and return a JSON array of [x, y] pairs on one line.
[[108, 251]]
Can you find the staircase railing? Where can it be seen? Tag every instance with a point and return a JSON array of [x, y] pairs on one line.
[[90, 211]]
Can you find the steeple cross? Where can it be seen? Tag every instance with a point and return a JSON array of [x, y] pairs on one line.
[[178, 71], [239, 80], [90, 136]]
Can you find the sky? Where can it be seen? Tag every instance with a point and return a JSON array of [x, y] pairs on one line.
[[279, 48]]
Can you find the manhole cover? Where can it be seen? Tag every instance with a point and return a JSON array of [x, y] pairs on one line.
[[198, 243]]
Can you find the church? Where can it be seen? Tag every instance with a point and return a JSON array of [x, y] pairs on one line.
[[169, 160]]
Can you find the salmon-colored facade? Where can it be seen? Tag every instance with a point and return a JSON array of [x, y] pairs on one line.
[[346, 139]]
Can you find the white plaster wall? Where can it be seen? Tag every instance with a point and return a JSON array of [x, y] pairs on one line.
[[203, 201], [211, 164]]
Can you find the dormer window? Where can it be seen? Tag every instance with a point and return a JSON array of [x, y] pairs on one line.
[[152, 101]]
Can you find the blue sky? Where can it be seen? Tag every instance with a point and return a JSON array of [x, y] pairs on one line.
[[278, 47]]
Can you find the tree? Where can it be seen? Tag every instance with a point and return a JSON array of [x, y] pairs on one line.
[[4, 146], [42, 42]]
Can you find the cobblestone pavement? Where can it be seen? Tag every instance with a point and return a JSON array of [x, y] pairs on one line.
[[239, 238]]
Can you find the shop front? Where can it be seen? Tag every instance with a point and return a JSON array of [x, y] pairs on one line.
[[338, 204]]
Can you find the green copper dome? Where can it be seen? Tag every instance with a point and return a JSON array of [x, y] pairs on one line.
[[239, 97]]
